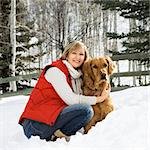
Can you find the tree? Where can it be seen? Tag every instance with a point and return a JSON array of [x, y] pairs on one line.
[[16, 49], [28, 51], [61, 22], [5, 47], [12, 66], [137, 40], [137, 10]]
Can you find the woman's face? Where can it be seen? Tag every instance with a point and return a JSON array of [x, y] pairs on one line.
[[76, 57]]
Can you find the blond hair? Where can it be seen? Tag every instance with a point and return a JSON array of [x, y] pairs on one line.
[[72, 46]]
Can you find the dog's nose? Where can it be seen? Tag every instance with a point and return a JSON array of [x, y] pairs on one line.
[[103, 76]]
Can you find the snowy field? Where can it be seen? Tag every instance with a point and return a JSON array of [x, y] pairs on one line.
[[127, 128]]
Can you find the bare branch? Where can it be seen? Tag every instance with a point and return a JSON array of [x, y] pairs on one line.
[[6, 43], [5, 27], [22, 47]]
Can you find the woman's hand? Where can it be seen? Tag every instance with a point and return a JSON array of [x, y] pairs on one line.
[[104, 95]]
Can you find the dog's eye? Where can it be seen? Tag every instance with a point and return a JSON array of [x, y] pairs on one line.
[[105, 65], [94, 66]]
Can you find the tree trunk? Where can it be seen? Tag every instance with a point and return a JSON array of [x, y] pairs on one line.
[[105, 29], [114, 45], [132, 24], [13, 43]]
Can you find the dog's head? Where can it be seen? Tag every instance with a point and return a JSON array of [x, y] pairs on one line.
[[99, 68]]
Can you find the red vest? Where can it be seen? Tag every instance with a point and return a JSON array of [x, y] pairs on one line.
[[44, 104]]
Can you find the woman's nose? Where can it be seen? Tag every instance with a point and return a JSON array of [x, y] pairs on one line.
[[78, 56]]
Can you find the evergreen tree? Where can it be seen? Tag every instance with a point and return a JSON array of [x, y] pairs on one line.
[[137, 40], [26, 49], [28, 43], [132, 9], [5, 53]]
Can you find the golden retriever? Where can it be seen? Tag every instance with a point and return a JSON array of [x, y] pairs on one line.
[[96, 73]]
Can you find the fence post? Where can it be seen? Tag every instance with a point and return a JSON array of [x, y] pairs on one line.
[[133, 67], [118, 70]]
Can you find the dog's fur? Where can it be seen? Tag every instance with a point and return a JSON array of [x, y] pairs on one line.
[[96, 74]]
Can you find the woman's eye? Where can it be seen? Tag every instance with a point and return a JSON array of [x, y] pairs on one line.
[[81, 54], [73, 52]]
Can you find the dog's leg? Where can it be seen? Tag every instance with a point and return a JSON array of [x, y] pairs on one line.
[[90, 124]]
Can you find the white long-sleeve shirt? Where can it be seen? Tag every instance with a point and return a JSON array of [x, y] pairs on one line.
[[58, 80]]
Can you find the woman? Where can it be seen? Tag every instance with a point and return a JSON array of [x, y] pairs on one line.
[[56, 107]]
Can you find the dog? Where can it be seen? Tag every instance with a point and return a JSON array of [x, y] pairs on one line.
[[96, 73]]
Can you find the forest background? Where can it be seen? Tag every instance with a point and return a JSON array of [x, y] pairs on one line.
[[33, 33]]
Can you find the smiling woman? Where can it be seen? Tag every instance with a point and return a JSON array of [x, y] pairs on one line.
[[56, 107], [77, 49]]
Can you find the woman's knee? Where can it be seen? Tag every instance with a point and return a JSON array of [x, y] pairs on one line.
[[87, 111], [73, 111]]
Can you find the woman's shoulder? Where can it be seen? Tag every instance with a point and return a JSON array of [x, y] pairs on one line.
[[54, 70], [54, 73]]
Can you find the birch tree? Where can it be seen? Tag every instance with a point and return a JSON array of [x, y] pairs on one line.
[[105, 30], [132, 25], [13, 43], [114, 44]]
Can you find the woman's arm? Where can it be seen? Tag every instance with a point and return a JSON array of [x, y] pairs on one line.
[[58, 80]]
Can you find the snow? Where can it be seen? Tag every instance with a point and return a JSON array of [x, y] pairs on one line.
[[33, 40], [127, 128]]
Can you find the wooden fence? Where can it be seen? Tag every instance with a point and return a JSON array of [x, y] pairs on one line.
[[130, 57], [132, 70]]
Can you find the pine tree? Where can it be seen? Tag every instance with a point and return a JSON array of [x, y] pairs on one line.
[[5, 47], [137, 40], [26, 51], [132, 9]]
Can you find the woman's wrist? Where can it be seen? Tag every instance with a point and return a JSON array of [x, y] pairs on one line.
[[99, 99]]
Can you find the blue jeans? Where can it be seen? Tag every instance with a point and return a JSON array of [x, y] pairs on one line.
[[70, 120]]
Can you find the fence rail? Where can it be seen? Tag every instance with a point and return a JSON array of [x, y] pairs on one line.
[[131, 74], [19, 78], [19, 92], [134, 56]]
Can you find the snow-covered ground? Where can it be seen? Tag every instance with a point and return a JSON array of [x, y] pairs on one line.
[[127, 128]]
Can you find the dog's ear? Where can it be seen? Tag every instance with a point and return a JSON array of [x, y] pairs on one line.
[[111, 65], [86, 69]]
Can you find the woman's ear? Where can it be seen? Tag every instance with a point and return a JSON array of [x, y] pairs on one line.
[[111, 65]]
